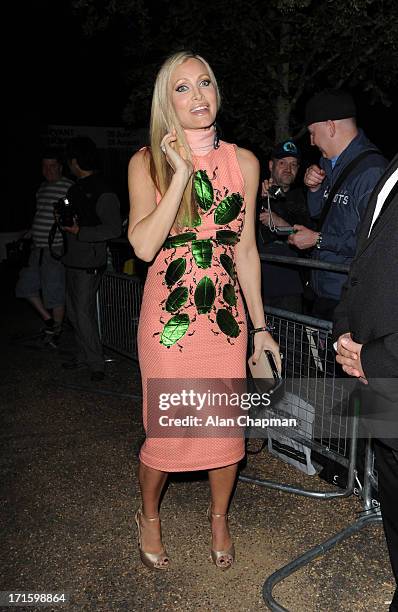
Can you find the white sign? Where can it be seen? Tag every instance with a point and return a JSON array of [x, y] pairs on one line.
[[104, 137]]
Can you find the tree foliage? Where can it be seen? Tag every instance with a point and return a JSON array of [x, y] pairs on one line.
[[268, 56]]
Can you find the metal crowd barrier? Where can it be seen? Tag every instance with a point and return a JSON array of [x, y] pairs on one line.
[[328, 424], [312, 391], [313, 394], [118, 309], [311, 380], [120, 250]]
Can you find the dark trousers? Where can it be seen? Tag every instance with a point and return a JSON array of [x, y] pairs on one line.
[[81, 290], [387, 467]]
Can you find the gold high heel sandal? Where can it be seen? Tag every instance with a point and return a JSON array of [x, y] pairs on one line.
[[224, 559], [156, 561]]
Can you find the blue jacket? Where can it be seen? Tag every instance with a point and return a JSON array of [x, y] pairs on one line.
[[341, 226]]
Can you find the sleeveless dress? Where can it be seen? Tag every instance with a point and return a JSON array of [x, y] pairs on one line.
[[192, 320]]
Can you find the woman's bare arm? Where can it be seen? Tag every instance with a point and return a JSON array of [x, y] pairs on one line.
[[150, 224]]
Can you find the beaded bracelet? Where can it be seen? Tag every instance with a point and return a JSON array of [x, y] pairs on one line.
[[267, 328]]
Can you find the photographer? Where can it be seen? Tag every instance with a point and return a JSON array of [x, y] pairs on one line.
[[90, 217], [281, 207]]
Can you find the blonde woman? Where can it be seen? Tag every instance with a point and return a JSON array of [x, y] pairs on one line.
[[184, 189]]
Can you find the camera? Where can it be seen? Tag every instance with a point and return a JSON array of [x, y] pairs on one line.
[[65, 211], [276, 193]]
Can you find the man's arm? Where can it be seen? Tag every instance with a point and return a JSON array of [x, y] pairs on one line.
[[315, 201], [340, 318], [375, 362], [376, 359], [338, 241], [108, 211], [380, 357], [348, 351], [316, 182]]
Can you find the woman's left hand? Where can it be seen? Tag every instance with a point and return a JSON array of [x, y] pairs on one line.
[[263, 341]]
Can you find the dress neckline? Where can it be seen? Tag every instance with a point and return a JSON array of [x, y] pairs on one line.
[[200, 141]]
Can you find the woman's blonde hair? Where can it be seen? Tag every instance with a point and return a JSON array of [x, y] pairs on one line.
[[163, 120]]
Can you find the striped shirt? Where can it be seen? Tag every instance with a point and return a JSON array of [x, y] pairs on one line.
[[47, 195]]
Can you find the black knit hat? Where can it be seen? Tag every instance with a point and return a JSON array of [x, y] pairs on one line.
[[287, 148], [329, 104]]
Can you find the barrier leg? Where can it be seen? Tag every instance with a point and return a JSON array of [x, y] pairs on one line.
[[370, 517]]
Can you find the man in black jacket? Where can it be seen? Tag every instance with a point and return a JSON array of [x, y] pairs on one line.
[[366, 331], [282, 285], [96, 211]]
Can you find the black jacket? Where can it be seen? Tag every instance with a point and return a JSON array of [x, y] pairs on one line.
[[369, 310], [281, 279], [98, 211], [293, 209]]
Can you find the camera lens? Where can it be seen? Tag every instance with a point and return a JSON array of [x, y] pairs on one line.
[[276, 193]]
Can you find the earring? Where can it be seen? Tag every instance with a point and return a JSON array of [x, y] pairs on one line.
[[216, 142]]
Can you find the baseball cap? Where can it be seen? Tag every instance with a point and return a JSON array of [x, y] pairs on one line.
[[330, 104], [286, 148]]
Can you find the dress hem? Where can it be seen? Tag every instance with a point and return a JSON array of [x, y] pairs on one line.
[[222, 463]]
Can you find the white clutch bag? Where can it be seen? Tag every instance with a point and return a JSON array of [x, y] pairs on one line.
[[266, 374]]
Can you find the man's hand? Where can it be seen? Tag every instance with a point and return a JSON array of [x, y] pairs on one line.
[[278, 221], [313, 177], [71, 229], [303, 238], [265, 185], [349, 357]]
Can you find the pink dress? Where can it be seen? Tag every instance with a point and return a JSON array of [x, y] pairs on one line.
[[192, 320]]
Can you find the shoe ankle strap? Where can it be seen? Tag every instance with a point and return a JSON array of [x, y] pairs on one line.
[[148, 518], [216, 514]]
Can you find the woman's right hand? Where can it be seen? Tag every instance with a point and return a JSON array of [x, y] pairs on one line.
[[263, 341], [176, 159]]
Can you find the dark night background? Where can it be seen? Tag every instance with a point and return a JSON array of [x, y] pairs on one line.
[[59, 76]]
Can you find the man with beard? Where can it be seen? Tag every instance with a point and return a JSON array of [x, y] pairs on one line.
[[282, 206]]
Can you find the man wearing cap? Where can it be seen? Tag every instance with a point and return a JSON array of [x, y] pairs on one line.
[[281, 285], [330, 118]]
